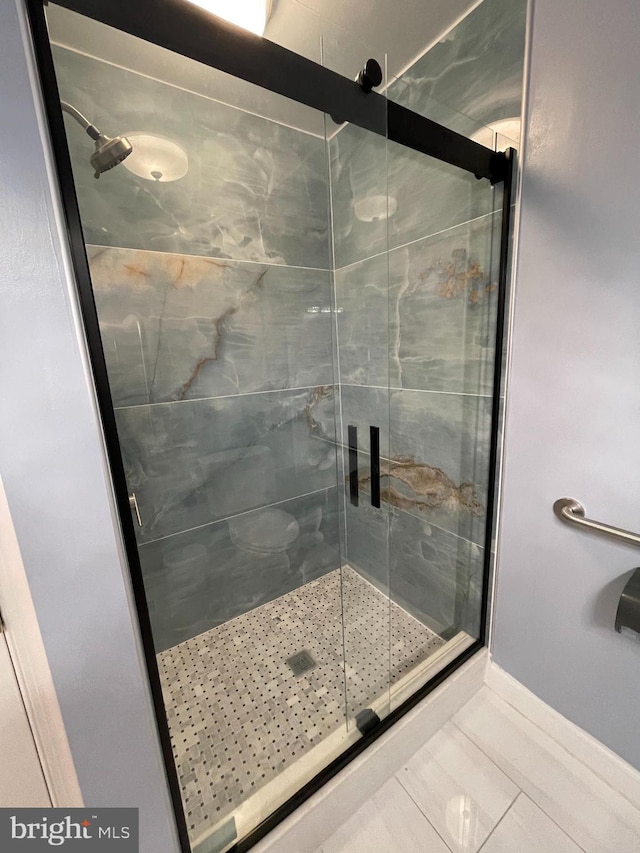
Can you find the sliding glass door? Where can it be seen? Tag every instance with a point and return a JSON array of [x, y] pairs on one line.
[[293, 324]]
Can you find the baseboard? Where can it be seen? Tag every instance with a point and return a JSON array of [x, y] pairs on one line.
[[311, 824], [602, 761]]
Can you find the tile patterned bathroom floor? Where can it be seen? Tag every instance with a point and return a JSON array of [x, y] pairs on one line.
[[489, 781], [238, 715]]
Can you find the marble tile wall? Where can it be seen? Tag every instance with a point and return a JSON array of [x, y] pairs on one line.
[[408, 194], [434, 453], [255, 190], [198, 461], [422, 316], [221, 374], [433, 574], [214, 295], [178, 327], [471, 78], [200, 578], [416, 289], [474, 74]]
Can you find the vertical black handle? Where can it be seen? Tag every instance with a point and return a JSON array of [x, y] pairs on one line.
[[374, 443], [352, 432]]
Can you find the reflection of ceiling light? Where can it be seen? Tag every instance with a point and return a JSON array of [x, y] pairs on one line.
[[375, 208], [500, 135], [156, 158], [251, 15]]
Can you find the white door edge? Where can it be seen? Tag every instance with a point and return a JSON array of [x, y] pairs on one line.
[[31, 666]]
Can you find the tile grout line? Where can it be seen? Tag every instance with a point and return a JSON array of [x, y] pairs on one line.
[[417, 240], [502, 817], [72, 49], [267, 263], [221, 397], [491, 761], [507, 773], [554, 822], [237, 515], [418, 390], [417, 805], [332, 384], [214, 258]]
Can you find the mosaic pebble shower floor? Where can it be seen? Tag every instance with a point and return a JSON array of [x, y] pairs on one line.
[[237, 713]]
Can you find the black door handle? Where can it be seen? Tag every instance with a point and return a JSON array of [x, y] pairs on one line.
[[374, 444], [352, 433]]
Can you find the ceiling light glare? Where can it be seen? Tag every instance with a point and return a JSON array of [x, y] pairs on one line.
[[251, 15]]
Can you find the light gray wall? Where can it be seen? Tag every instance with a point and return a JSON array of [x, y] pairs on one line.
[[573, 415], [52, 463]]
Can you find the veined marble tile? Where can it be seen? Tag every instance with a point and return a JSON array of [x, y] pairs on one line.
[[461, 792], [201, 578], [526, 829], [365, 313], [471, 78], [177, 327], [595, 816], [411, 195], [424, 315], [433, 574], [255, 190], [198, 461], [434, 449], [474, 74], [390, 821]]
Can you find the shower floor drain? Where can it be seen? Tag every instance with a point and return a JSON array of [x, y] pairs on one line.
[[301, 662], [231, 692]]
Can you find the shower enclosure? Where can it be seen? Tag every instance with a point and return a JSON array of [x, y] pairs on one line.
[[293, 291]]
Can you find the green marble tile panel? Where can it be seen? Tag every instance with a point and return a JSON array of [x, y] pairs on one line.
[[434, 301], [194, 462], [255, 190], [178, 327]]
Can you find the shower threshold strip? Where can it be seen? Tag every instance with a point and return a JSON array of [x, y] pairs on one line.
[[233, 702]]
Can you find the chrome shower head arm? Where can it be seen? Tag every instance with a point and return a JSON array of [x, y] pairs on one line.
[[84, 122]]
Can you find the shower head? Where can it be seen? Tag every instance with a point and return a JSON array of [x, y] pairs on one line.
[[108, 152]]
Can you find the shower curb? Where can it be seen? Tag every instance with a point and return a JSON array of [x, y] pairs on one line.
[[314, 821]]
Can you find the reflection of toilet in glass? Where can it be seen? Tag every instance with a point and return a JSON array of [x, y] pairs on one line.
[[261, 539], [261, 536], [264, 533]]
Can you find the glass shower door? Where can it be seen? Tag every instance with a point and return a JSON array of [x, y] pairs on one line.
[[444, 257], [360, 216], [297, 320], [214, 297]]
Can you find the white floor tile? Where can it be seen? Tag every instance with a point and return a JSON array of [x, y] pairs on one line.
[[596, 817], [390, 823], [458, 788], [527, 829]]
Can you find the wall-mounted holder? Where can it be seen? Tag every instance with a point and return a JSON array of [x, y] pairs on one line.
[[628, 615]]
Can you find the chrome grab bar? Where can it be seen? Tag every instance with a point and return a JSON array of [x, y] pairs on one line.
[[572, 511]]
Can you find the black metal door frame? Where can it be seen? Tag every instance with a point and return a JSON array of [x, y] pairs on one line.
[[188, 30]]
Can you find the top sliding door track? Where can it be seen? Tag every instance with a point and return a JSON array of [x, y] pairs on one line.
[[187, 29]]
